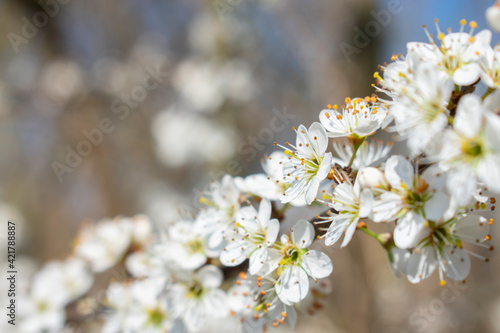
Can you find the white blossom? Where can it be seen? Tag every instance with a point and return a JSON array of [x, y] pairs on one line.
[[493, 16], [442, 248], [298, 263], [255, 232], [103, 244], [350, 204], [357, 118], [198, 297], [471, 150], [308, 164]]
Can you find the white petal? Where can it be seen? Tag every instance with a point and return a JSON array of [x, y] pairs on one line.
[[421, 264], [257, 260], [234, 253], [291, 315], [210, 276], [492, 102], [398, 171], [325, 166], [349, 232], [435, 177], [492, 130], [216, 240], [336, 228], [365, 202], [264, 212], [273, 228], [436, 206], [469, 118], [461, 183], [399, 261], [312, 190], [471, 228], [467, 74], [302, 234], [292, 285], [489, 172], [409, 231], [317, 264], [456, 263], [246, 216], [318, 137], [386, 207], [216, 301], [294, 191]]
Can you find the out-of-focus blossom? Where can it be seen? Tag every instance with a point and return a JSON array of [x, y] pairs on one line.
[[103, 244], [204, 87], [198, 297], [493, 16], [183, 138], [62, 80]]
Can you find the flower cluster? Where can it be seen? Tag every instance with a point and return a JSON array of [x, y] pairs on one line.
[[441, 98]]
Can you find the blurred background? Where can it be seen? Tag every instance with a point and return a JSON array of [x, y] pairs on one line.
[[123, 107]]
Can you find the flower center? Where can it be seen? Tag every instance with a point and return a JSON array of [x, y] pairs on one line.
[[472, 148], [195, 291], [155, 317], [291, 255], [195, 246]]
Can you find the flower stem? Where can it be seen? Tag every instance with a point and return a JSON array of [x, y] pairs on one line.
[[487, 93], [356, 143], [381, 238]]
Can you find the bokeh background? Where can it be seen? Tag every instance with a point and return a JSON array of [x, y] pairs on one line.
[[222, 71]]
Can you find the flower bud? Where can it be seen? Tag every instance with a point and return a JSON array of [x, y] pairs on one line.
[[493, 16], [371, 177]]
